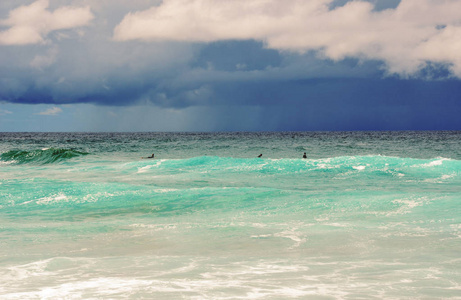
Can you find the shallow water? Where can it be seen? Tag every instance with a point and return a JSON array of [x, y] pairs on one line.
[[369, 215]]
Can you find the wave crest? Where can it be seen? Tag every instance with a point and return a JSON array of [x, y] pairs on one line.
[[43, 156]]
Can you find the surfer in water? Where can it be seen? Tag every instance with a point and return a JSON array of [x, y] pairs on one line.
[[304, 156], [260, 155], [152, 156]]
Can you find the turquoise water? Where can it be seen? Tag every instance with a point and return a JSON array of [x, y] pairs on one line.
[[368, 215]]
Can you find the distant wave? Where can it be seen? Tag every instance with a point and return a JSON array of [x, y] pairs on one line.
[[43, 156], [339, 164]]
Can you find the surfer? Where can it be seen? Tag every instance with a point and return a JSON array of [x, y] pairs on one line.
[[260, 155], [304, 156], [152, 156]]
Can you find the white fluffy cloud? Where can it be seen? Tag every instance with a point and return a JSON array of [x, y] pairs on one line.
[[30, 24], [405, 38]]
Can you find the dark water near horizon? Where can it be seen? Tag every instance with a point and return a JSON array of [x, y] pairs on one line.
[[418, 144], [368, 215]]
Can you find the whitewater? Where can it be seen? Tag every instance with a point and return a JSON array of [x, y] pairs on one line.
[[368, 215]]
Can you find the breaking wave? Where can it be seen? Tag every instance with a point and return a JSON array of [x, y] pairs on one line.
[[43, 156], [294, 166]]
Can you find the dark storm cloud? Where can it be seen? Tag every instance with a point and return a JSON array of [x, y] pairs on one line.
[[231, 56], [90, 70], [353, 104], [242, 81], [379, 5]]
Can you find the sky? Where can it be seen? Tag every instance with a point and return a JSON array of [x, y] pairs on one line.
[[234, 65]]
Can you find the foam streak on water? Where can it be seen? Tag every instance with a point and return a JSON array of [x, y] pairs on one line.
[[369, 215]]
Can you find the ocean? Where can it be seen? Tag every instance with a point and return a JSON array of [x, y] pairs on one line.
[[367, 215]]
